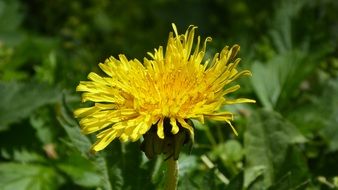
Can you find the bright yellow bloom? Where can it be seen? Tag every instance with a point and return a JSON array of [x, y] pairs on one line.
[[175, 84]]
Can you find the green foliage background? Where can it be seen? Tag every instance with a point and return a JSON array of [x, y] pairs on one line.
[[287, 140]]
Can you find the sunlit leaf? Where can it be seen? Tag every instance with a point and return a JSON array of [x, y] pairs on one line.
[[157, 172], [275, 82], [187, 163], [22, 156], [28, 177], [293, 172], [19, 100], [266, 141], [329, 104]]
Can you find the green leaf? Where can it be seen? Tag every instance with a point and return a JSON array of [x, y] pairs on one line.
[[277, 80], [186, 183], [281, 33], [157, 172], [233, 150], [10, 19], [230, 153], [266, 140], [81, 171], [209, 180], [19, 100], [253, 180], [83, 144], [293, 172], [329, 105], [43, 121], [136, 173], [72, 128], [116, 178], [186, 164], [318, 115], [101, 166], [285, 73], [23, 156], [267, 90], [237, 182], [28, 177]]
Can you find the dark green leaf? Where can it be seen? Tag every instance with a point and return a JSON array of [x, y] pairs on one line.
[[83, 144], [101, 166], [81, 171], [134, 168], [72, 128], [210, 180], [10, 19], [319, 115], [237, 182], [116, 178], [186, 183]]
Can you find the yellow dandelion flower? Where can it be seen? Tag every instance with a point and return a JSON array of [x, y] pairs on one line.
[[172, 86]]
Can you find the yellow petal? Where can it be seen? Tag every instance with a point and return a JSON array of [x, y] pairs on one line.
[[239, 101], [187, 126], [146, 124], [160, 129], [104, 141], [232, 127], [220, 116], [124, 138], [84, 111], [174, 127]]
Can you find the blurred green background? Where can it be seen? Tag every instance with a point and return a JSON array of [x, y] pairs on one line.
[[287, 140]]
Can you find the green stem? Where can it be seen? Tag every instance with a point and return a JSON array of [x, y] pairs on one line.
[[172, 174]]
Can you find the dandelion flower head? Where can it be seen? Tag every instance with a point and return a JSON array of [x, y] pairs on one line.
[[173, 84]]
